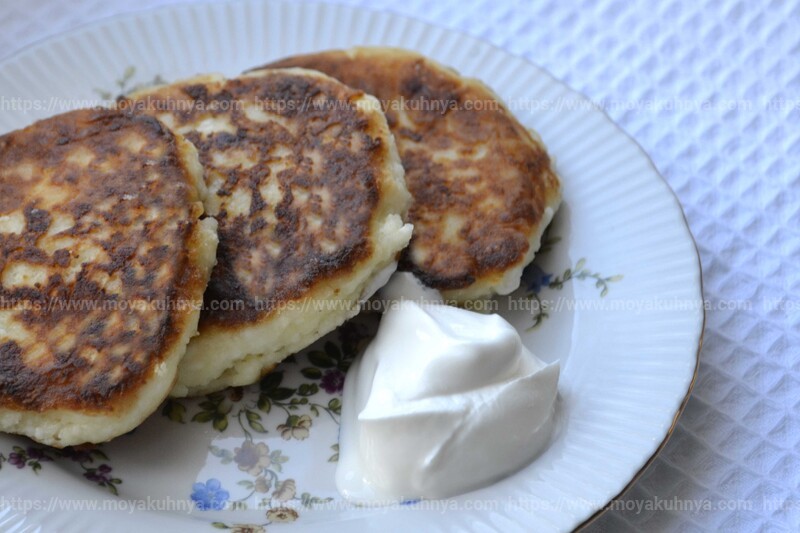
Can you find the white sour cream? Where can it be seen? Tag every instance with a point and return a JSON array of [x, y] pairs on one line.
[[443, 401]]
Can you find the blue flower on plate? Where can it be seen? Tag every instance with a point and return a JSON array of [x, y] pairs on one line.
[[210, 496], [536, 278]]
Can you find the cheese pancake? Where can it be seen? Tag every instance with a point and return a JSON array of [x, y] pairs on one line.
[[482, 185], [104, 262], [305, 180]]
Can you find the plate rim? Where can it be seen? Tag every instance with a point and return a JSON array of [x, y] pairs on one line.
[[682, 407], [461, 34]]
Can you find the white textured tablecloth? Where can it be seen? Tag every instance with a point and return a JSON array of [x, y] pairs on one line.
[[711, 90]]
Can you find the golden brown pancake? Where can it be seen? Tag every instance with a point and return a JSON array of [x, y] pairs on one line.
[[103, 266], [306, 183], [483, 188]]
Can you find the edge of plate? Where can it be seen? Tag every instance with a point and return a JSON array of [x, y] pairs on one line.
[[600, 512]]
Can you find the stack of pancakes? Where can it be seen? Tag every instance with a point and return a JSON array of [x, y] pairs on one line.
[[200, 232]]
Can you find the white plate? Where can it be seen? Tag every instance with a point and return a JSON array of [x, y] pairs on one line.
[[626, 322]]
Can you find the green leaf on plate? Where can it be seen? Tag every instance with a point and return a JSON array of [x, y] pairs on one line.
[[220, 423], [308, 389], [335, 405], [321, 360], [281, 393], [174, 410], [203, 416], [98, 453], [271, 381], [264, 403], [332, 350], [311, 372]]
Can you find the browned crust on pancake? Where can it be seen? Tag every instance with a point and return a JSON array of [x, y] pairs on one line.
[[340, 191], [499, 198], [79, 351]]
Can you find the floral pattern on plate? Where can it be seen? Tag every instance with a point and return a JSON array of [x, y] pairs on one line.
[[84, 456], [535, 280], [252, 422], [322, 372]]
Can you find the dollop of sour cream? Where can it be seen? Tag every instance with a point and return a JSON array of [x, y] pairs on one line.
[[443, 401]]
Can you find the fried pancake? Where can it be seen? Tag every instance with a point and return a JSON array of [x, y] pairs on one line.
[[482, 185], [104, 262], [305, 180]]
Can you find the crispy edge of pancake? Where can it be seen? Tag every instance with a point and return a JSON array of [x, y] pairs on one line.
[[502, 281], [68, 427], [508, 281], [221, 356]]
